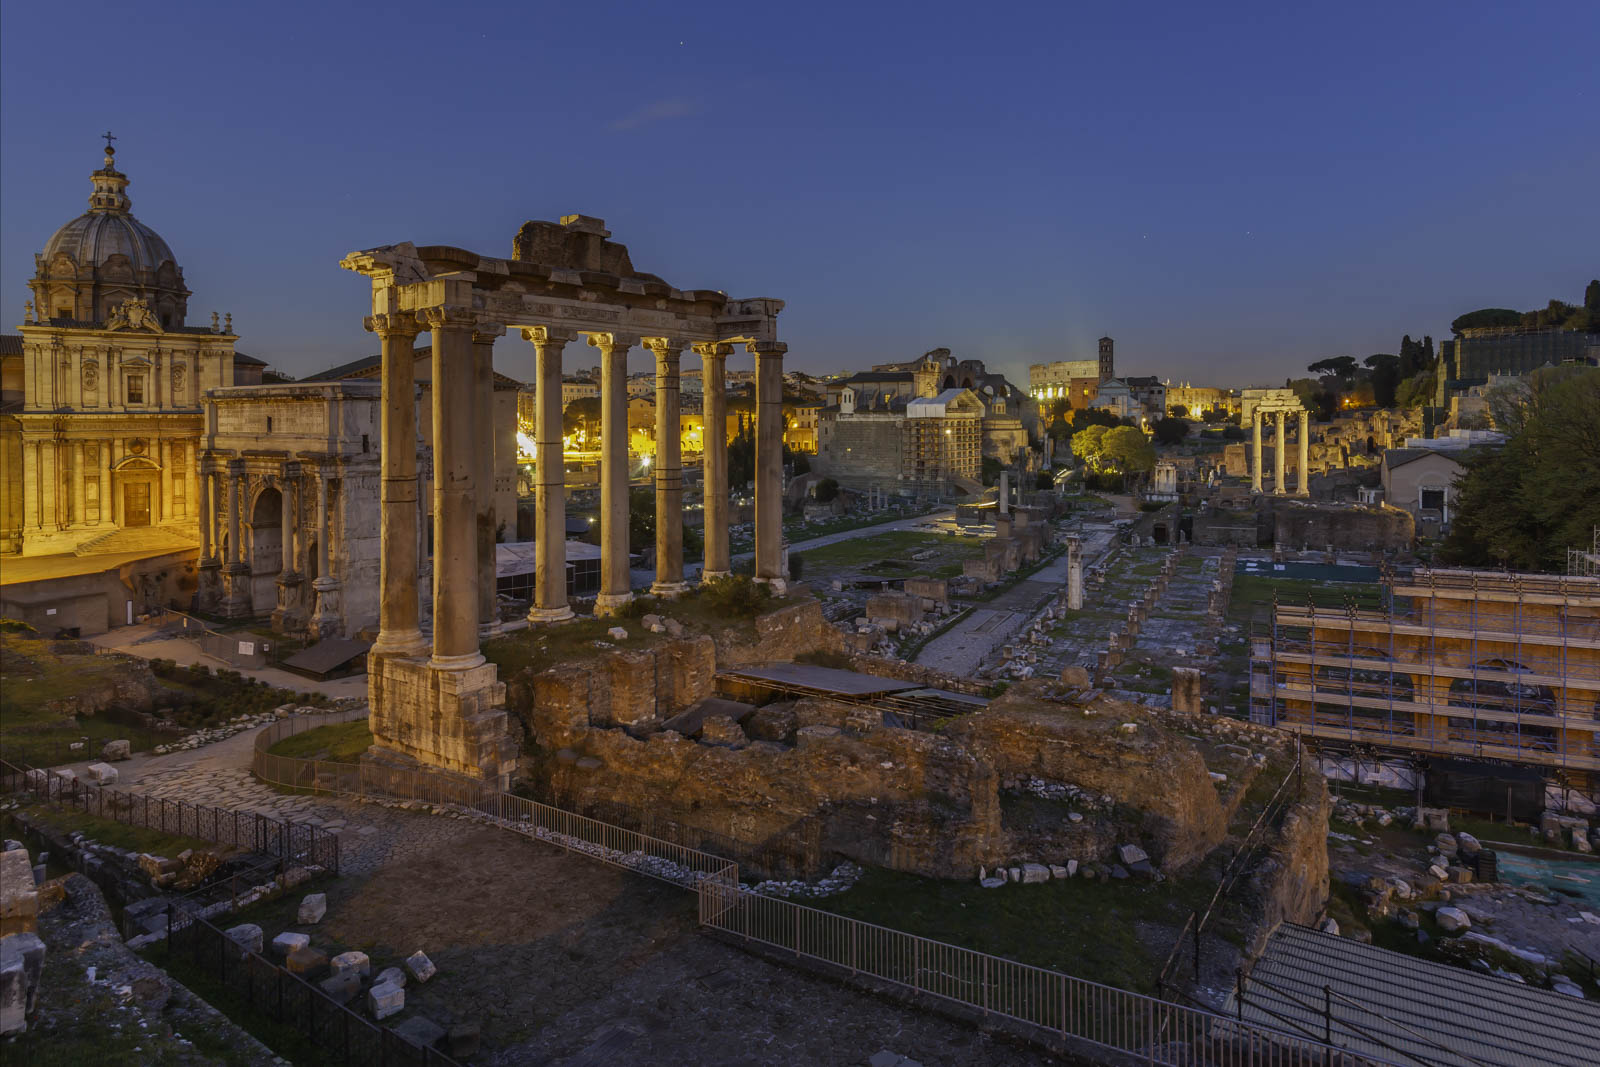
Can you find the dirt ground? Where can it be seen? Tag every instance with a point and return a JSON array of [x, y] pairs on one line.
[[563, 960]]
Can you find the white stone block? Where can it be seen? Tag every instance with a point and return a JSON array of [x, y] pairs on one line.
[[286, 943], [312, 909], [117, 750], [390, 976], [247, 936], [350, 963], [1035, 873], [101, 773], [385, 1000], [1131, 854], [1452, 919], [420, 966], [617, 633]]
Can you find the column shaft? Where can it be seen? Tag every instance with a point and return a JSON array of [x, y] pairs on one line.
[[191, 495], [455, 538], [398, 615], [286, 527], [1255, 454], [203, 497], [110, 505], [669, 471], [80, 476], [714, 457], [235, 487], [769, 463], [615, 585], [483, 472], [164, 457], [1305, 454], [324, 523], [1280, 455], [550, 578]]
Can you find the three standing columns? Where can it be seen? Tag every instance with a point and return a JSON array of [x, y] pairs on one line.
[[615, 586], [669, 470], [455, 535], [483, 339], [550, 580], [399, 632], [769, 462], [714, 457]]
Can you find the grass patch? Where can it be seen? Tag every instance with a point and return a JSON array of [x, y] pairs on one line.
[[342, 742], [40, 673], [1083, 928], [108, 831], [871, 554]]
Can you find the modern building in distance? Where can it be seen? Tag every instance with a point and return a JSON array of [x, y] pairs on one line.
[[103, 415], [910, 446], [1197, 400], [1480, 665]]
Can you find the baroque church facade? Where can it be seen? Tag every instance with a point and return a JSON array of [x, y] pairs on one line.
[[101, 418]]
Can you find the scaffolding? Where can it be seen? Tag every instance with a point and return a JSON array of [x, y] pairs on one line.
[[1482, 665], [1585, 563]]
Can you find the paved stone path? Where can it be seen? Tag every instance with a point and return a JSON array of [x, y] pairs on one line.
[[153, 640]]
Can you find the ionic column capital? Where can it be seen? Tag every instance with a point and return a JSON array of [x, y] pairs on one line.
[[540, 336], [393, 324], [608, 342], [486, 333], [449, 317], [766, 348]]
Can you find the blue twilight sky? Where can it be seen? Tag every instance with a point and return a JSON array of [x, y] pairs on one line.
[[1229, 190]]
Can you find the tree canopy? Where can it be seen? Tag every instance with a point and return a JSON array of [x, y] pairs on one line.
[[1171, 431], [1087, 442], [1339, 366], [1524, 505], [1557, 313], [1127, 448]]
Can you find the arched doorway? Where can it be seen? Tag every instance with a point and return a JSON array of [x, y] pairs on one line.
[[137, 488], [949, 381], [266, 547]]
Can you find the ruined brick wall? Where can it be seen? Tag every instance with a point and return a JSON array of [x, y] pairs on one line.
[[1349, 528]]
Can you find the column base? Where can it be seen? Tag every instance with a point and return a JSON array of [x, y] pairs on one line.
[[669, 590], [328, 619], [490, 629], [437, 721], [542, 616], [712, 576], [778, 586], [400, 643], [610, 603], [457, 663], [235, 591]]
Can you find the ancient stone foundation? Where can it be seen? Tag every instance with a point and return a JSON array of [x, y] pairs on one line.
[[451, 720]]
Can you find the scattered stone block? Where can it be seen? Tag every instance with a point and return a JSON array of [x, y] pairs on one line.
[[420, 1032], [1330, 926], [352, 962], [1035, 873], [247, 936], [21, 962], [1446, 844], [1467, 845], [285, 943], [420, 966], [1460, 875], [1451, 920], [1014, 874], [390, 976], [1131, 854], [1439, 872], [101, 773], [117, 750], [463, 1039], [385, 1000], [617, 633], [291, 878], [341, 988], [1057, 871], [312, 909], [306, 961], [992, 883], [19, 893]]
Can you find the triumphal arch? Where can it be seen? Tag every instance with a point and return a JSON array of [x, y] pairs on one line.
[[443, 705]]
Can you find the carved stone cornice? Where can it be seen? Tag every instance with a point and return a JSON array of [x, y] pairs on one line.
[[448, 317], [541, 336], [393, 324]]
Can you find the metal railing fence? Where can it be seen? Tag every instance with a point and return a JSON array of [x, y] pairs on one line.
[[1064, 1008], [292, 843], [268, 990]]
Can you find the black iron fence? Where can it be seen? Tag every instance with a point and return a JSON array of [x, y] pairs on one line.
[[291, 843], [331, 1032]]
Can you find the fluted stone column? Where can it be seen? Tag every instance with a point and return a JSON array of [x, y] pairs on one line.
[[286, 525], [207, 519], [191, 470], [455, 538], [1255, 447], [1075, 572], [399, 632], [714, 457], [236, 574], [769, 463], [1280, 454], [164, 457], [669, 470], [235, 488], [483, 468], [550, 578], [1305, 454], [615, 586], [80, 476], [108, 511]]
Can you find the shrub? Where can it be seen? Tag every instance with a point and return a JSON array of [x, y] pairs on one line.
[[737, 596], [17, 626]]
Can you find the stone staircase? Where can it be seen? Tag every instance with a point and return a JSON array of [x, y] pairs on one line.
[[138, 539]]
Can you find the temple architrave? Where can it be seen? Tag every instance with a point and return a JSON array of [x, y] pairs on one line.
[[443, 706], [1258, 404], [102, 416]]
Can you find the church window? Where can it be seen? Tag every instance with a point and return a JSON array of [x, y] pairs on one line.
[[136, 389], [269, 423]]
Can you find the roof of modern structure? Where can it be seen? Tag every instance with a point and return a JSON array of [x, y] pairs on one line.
[[1405, 1009], [10, 344], [825, 679], [1399, 457], [1143, 381], [327, 655], [249, 361], [879, 376], [938, 406]]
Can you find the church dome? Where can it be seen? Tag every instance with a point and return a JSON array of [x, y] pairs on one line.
[[105, 257]]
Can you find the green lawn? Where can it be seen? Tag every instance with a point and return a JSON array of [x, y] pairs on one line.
[[889, 554], [1082, 928], [108, 831], [34, 675], [342, 742]]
